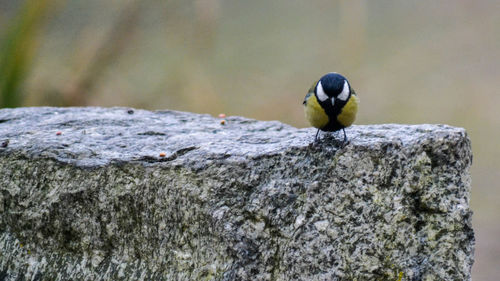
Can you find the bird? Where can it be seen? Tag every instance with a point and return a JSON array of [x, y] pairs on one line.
[[331, 104]]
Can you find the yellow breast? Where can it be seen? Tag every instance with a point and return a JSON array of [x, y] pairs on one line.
[[348, 113], [315, 114]]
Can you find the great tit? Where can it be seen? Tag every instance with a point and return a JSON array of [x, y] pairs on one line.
[[331, 104]]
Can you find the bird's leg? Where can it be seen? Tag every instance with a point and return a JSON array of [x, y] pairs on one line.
[[316, 137], [345, 141]]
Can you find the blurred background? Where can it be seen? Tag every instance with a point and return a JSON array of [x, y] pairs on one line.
[[411, 62]]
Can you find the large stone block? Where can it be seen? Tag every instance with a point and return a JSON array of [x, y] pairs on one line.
[[86, 195]]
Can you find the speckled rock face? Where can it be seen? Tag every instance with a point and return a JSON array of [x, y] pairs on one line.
[[121, 194]]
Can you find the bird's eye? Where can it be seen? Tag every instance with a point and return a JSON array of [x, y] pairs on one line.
[[320, 92]]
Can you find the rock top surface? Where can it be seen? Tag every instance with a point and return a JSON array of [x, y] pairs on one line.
[[126, 194]]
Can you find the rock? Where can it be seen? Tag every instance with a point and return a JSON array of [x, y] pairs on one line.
[[126, 194]]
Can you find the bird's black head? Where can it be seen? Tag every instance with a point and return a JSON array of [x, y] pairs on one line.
[[332, 91], [333, 84]]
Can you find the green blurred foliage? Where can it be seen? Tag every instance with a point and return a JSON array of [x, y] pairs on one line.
[[409, 61], [16, 50]]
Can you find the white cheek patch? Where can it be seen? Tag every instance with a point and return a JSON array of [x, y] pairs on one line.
[[345, 92], [333, 101], [320, 92]]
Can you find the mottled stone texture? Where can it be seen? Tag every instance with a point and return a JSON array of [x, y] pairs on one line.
[[247, 200]]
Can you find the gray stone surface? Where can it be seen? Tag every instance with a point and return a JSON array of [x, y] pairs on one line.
[[248, 200]]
